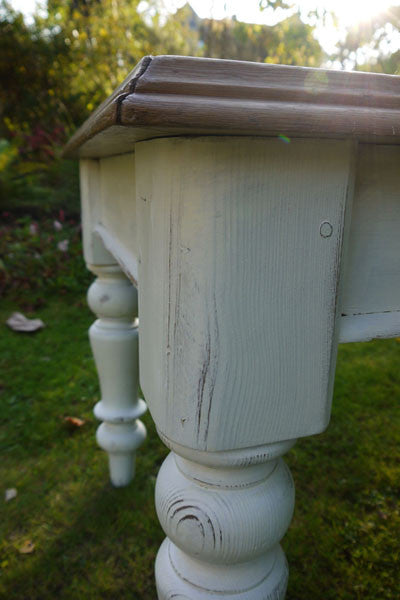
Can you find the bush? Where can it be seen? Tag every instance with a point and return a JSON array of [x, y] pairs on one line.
[[41, 258], [29, 184]]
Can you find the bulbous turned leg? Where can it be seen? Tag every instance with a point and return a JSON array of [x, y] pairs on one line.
[[224, 523], [114, 341]]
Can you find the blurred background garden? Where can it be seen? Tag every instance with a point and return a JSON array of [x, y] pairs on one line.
[[64, 531]]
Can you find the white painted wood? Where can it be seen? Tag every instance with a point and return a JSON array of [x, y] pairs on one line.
[[238, 457], [362, 328], [117, 208], [240, 245], [114, 340], [372, 280], [126, 260], [223, 525], [93, 248], [108, 203], [372, 283], [244, 295]]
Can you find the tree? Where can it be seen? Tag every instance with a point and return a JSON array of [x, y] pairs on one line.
[[56, 70], [368, 46], [289, 42]]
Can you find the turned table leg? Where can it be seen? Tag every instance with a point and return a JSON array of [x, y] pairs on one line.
[[114, 341], [224, 520]]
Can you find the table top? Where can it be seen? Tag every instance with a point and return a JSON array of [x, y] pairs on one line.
[[176, 95]]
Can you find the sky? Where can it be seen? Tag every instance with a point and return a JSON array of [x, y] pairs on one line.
[[348, 12]]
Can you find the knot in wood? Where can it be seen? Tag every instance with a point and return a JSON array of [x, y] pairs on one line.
[[224, 524]]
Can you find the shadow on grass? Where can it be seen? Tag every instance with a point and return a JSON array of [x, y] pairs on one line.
[[101, 548]]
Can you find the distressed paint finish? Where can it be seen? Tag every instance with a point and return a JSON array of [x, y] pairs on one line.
[[238, 286], [114, 341], [224, 521], [250, 270], [371, 298], [240, 247], [107, 196], [94, 250], [105, 186]]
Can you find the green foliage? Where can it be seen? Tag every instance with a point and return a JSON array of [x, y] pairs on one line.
[[34, 186], [289, 42], [104, 41], [58, 68], [41, 258], [34, 89], [64, 64], [368, 45], [56, 71]]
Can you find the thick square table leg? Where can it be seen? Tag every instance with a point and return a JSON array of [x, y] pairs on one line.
[[240, 246], [114, 341]]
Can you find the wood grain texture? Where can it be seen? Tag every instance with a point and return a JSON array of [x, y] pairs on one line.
[[108, 199], [217, 516], [167, 95], [372, 281], [224, 527], [238, 288], [107, 114], [174, 574]]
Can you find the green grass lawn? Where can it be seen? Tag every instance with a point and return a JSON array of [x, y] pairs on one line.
[[92, 541]]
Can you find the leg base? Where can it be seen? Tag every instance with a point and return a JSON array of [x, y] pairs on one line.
[[264, 578], [120, 442], [122, 468]]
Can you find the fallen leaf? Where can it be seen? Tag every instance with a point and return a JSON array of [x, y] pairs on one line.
[[18, 322], [63, 245], [27, 547], [10, 494], [74, 421]]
